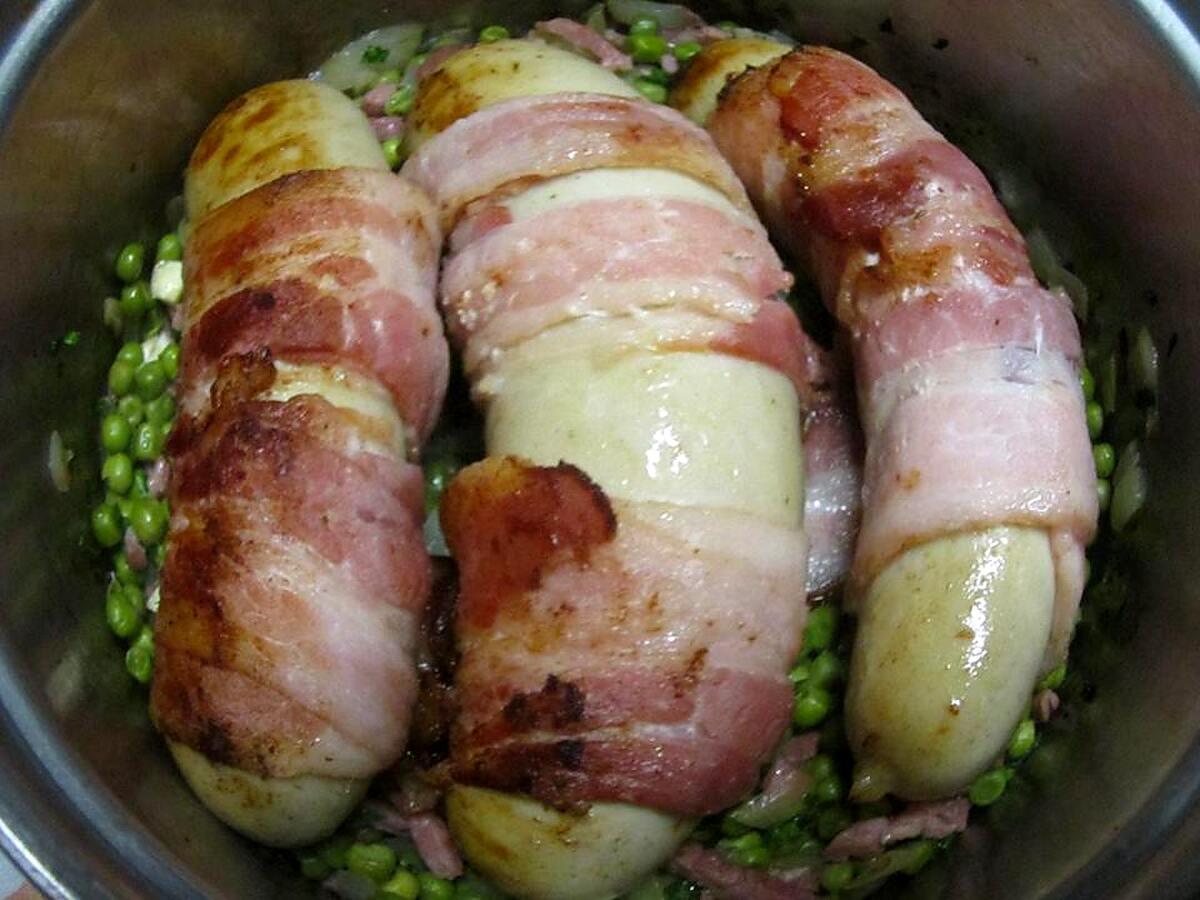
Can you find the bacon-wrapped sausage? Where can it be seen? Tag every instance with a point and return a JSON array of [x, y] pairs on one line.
[[979, 489], [631, 554], [313, 367]]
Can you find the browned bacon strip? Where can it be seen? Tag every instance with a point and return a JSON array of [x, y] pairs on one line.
[[977, 455], [296, 573]]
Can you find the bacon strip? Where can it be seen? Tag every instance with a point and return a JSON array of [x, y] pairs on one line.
[[323, 267], [296, 572], [965, 364], [612, 648], [529, 139], [603, 654]]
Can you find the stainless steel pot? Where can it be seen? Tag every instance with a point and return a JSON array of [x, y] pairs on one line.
[[99, 104]]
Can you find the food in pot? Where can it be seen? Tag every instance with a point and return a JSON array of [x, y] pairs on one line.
[[575, 332], [978, 485], [313, 367], [631, 556]]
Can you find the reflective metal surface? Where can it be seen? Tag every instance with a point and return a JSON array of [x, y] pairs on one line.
[[99, 105]]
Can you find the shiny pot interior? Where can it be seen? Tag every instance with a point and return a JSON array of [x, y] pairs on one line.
[[100, 103]]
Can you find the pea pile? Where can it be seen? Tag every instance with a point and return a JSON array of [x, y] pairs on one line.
[[136, 415], [364, 863]]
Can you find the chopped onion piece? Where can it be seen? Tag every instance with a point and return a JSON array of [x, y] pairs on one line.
[[668, 15], [112, 314], [1048, 268], [59, 463], [1129, 487], [166, 281], [348, 70], [153, 346], [435, 541], [1143, 362]]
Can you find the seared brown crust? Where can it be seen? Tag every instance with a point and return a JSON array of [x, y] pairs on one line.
[[505, 521]]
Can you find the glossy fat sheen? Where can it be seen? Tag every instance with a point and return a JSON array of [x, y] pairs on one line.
[[695, 429], [274, 130], [488, 73], [278, 812], [537, 853], [950, 637], [380, 427], [696, 93], [602, 184]]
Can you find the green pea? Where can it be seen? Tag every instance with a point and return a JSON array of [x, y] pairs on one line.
[[656, 74], [130, 261], [401, 101], [170, 360], [391, 152], [139, 662], [114, 433], [820, 766], [159, 553], [374, 861], [145, 639], [155, 321], [727, 26], [1087, 381], [751, 857], [832, 821], [731, 827], [120, 378], [374, 55], [987, 788], [147, 443], [492, 33], [150, 379], [800, 673], [313, 867], [828, 789], [1054, 679], [333, 852], [438, 474], [170, 248], [1022, 739], [655, 93], [811, 706], [837, 876], [644, 25], [646, 48], [922, 852], [117, 473], [826, 669], [389, 76], [434, 888], [749, 841], [1095, 419], [160, 410], [106, 525], [403, 885], [135, 300], [123, 611], [132, 410], [125, 573], [687, 50], [1105, 458], [821, 629], [148, 519], [130, 352], [1103, 493]]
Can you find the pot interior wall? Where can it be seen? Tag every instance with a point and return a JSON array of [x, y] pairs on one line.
[[94, 139]]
